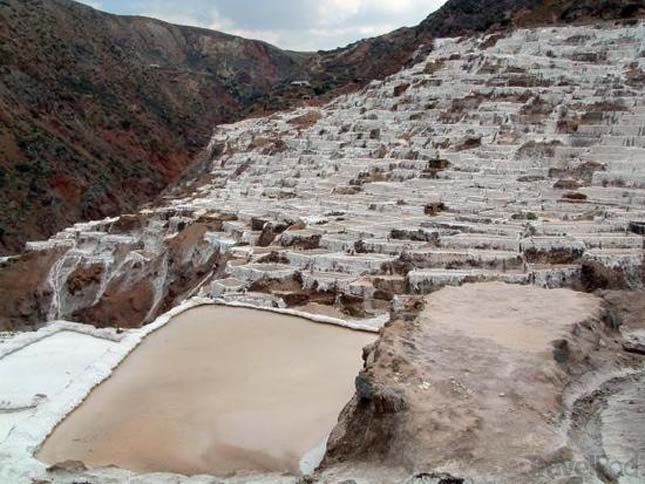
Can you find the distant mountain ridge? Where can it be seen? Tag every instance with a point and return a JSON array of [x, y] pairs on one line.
[[99, 112], [459, 17]]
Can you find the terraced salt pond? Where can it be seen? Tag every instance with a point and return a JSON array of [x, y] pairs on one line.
[[216, 391]]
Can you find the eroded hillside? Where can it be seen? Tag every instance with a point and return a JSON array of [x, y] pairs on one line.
[[98, 112]]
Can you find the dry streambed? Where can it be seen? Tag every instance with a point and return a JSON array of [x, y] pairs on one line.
[[216, 391]]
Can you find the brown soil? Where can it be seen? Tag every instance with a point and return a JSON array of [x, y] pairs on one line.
[[25, 294], [124, 305], [82, 277], [628, 307]]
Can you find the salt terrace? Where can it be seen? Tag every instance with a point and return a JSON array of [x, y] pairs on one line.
[[519, 159]]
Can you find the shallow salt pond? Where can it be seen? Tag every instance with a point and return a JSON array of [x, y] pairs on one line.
[[216, 391]]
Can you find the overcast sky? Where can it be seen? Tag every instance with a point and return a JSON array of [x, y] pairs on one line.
[[290, 24]]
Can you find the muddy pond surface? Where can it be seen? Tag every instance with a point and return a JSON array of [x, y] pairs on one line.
[[216, 391]]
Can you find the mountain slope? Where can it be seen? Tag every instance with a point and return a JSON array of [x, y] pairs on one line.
[[459, 17], [99, 112]]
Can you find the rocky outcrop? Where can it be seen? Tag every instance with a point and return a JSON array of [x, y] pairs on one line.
[[104, 278], [483, 363]]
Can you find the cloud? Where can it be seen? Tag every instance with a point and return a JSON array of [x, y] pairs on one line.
[[93, 4], [291, 24], [269, 36], [334, 12]]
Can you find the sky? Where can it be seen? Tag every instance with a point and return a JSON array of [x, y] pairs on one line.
[[289, 24]]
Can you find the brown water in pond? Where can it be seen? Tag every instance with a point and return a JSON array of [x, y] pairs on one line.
[[216, 391]]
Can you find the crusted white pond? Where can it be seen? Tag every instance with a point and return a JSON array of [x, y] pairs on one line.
[[41, 371]]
